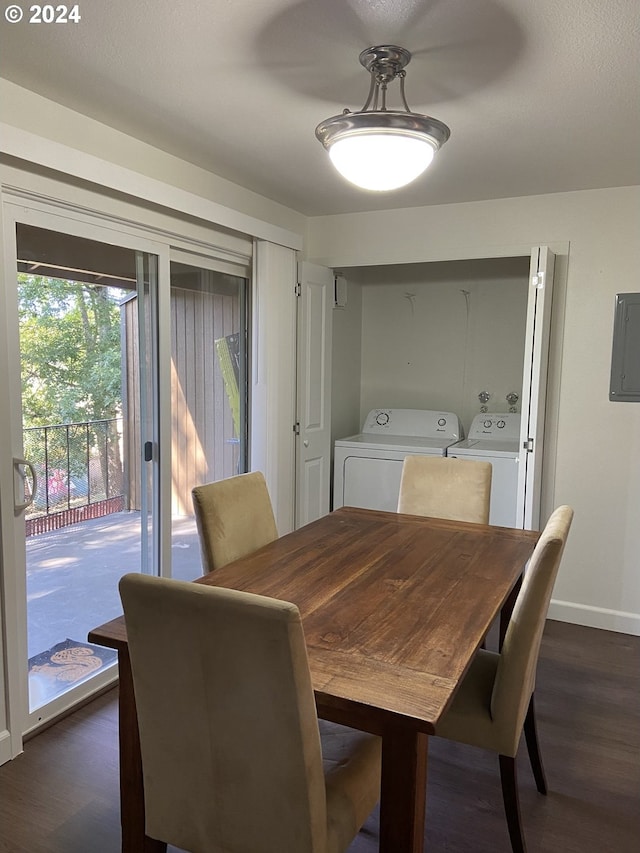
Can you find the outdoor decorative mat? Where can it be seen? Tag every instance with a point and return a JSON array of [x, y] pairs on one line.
[[64, 665]]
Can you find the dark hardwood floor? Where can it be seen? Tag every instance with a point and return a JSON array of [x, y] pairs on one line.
[[61, 794]]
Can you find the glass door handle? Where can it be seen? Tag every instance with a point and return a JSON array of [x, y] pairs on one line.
[[20, 483]]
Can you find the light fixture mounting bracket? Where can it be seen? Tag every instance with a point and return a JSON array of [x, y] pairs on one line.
[[385, 61]]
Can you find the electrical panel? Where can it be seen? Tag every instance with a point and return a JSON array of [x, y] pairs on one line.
[[625, 358]]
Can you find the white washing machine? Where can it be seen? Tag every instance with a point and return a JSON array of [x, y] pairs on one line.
[[367, 467], [495, 438]]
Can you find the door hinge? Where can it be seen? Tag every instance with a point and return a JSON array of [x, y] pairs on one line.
[[296, 428], [537, 280], [298, 289], [528, 445]]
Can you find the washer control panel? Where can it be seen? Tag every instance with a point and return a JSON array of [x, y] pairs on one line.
[[495, 426], [414, 422]]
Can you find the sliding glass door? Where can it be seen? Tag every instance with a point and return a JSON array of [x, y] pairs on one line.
[[208, 308], [124, 377], [83, 390]]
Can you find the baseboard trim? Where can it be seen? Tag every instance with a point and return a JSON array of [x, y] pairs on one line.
[[5, 747], [595, 617]]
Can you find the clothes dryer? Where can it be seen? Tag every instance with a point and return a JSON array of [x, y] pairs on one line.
[[368, 466], [494, 438]]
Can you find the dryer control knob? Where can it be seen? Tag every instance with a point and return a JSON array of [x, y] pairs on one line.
[[442, 422], [486, 424], [501, 424], [382, 419]]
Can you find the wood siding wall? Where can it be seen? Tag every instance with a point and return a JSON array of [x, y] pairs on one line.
[[204, 446]]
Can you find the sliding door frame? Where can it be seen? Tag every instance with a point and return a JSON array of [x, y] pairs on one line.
[[49, 216]]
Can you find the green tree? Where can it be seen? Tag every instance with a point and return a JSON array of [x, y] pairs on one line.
[[70, 346], [71, 373]]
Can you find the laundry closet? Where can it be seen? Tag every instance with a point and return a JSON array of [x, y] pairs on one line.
[[454, 336]]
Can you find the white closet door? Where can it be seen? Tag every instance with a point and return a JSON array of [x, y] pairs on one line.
[[313, 447], [534, 386]]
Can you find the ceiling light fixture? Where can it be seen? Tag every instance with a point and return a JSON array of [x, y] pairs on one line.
[[377, 148]]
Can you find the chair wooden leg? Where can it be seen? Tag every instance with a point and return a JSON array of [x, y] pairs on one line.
[[531, 736], [511, 802]]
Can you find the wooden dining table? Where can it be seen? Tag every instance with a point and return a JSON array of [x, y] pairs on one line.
[[394, 608]]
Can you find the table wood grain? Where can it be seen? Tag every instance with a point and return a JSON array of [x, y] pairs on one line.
[[394, 608]]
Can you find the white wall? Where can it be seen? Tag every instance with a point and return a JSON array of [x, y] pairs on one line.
[[435, 335], [346, 361], [27, 111], [592, 458]]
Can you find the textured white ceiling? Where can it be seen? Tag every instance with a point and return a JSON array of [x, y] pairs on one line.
[[540, 95]]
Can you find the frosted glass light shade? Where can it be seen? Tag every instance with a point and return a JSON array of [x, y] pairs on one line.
[[381, 161]]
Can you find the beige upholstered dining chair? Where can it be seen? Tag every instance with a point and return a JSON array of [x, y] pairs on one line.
[[440, 487], [234, 518], [231, 750], [495, 700]]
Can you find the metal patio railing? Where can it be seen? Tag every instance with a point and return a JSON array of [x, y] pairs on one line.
[[80, 472]]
